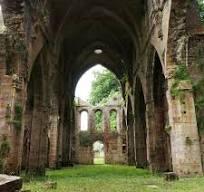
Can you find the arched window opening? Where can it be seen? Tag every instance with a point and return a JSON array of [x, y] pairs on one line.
[[84, 121], [113, 120], [2, 26], [99, 155], [99, 120], [98, 87], [201, 9]]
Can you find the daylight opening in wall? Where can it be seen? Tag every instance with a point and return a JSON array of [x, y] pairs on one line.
[[98, 86], [2, 26], [113, 120], [84, 121], [84, 85], [99, 120], [98, 51], [99, 155]]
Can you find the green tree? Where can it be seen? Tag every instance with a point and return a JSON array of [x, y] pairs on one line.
[[201, 8], [104, 87], [113, 121], [99, 120]]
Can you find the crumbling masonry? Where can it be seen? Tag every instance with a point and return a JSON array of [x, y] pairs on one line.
[[155, 48]]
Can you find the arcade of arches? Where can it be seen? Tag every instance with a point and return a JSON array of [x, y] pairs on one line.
[[154, 47]]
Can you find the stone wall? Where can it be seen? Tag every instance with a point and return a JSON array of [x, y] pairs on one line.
[[114, 141], [196, 70]]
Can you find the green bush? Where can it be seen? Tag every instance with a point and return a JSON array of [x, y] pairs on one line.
[[181, 74], [4, 151], [201, 9]]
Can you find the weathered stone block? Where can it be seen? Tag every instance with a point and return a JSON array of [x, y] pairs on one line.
[[170, 176], [10, 183]]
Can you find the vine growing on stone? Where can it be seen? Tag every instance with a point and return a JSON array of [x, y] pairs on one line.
[[181, 74], [4, 151]]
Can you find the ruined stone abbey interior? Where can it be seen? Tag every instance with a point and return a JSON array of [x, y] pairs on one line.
[[154, 47]]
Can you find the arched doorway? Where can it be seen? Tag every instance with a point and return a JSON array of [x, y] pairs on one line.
[[104, 108], [99, 153]]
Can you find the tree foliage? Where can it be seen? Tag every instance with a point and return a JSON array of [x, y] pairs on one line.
[[104, 86], [99, 120], [113, 121], [201, 8]]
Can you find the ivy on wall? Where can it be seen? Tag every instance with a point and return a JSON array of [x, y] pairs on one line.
[[87, 139], [99, 120], [181, 74], [18, 115], [4, 151]]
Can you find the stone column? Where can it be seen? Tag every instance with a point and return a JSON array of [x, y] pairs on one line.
[[38, 145], [106, 129], [151, 138], [185, 148], [91, 120], [53, 136]]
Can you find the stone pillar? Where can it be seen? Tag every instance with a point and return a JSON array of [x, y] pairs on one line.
[[106, 129], [151, 138], [185, 148], [38, 145], [11, 93], [120, 120], [53, 137], [106, 125], [91, 120]]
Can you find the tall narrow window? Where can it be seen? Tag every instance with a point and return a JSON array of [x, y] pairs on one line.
[[2, 26], [113, 120], [99, 120], [84, 121]]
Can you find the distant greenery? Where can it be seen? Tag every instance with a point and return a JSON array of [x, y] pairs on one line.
[[111, 178], [104, 87], [99, 120], [99, 161], [113, 121], [201, 8], [181, 74]]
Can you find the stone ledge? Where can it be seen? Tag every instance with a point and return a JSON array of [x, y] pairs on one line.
[[10, 183]]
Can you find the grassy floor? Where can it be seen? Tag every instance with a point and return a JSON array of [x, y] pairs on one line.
[[99, 161], [107, 178]]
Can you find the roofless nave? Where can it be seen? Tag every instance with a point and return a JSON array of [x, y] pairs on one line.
[[47, 45]]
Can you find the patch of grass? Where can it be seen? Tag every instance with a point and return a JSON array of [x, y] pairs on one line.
[[111, 178], [99, 161]]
